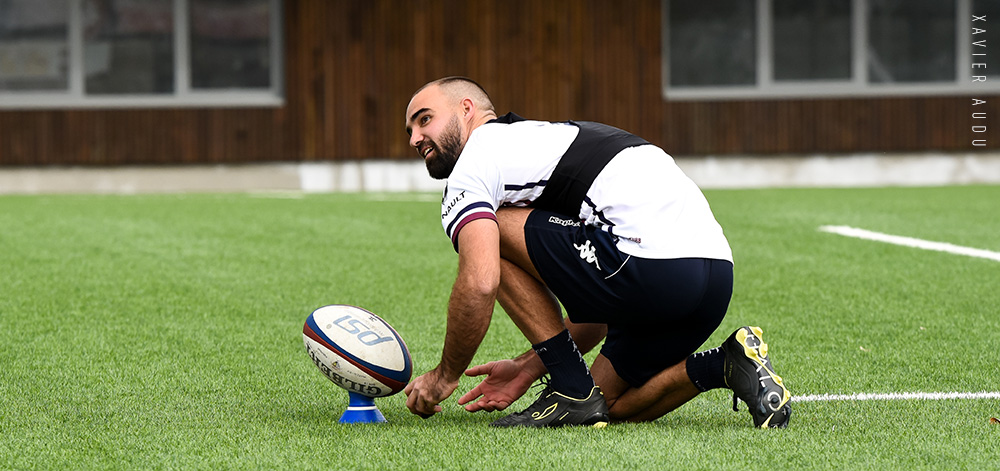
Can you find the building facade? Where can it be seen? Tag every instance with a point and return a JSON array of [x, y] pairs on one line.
[[154, 82]]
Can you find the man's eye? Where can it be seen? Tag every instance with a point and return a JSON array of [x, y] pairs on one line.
[[425, 119]]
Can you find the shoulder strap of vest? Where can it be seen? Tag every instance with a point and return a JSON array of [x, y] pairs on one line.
[[507, 119], [590, 152]]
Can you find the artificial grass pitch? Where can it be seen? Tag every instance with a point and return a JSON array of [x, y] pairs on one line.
[[164, 331]]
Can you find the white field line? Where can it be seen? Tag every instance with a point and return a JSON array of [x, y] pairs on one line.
[[926, 396], [911, 242]]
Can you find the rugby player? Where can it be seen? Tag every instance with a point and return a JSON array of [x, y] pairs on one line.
[[603, 222]]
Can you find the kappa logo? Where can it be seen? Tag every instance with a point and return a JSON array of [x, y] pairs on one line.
[[563, 222], [588, 253]]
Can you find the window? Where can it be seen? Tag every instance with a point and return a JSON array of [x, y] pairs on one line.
[[107, 53], [911, 41], [812, 40], [230, 45], [718, 39], [33, 45], [128, 47], [809, 48]]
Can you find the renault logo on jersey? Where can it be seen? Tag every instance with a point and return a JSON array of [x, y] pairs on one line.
[[588, 253], [452, 203]]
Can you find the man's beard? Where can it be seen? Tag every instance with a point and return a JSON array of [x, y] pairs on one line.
[[440, 165]]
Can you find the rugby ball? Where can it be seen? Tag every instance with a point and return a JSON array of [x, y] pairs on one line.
[[357, 350]]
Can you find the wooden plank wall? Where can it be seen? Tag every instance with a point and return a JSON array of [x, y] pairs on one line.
[[351, 65]]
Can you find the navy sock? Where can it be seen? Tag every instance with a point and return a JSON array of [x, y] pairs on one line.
[[705, 369], [569, 373]]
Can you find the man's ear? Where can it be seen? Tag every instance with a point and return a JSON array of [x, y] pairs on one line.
[[468, 108]]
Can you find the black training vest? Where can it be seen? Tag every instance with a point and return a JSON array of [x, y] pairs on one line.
[[590, 152]]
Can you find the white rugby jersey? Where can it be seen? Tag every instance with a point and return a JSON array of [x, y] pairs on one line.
[[641, 196]]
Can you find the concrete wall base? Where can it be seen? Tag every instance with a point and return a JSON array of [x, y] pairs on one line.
[[925, 169]]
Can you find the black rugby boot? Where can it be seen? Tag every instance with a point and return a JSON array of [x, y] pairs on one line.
[[748, 372], [553, 409]]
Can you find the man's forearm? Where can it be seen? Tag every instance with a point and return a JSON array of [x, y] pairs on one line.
[[469, 313]]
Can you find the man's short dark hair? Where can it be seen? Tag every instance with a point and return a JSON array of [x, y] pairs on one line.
[[460, 87]]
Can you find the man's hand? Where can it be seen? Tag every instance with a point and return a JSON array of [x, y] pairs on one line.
[[426, 391], [505, 382]]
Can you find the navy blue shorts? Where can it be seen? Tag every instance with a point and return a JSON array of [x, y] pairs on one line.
[[658, 311]]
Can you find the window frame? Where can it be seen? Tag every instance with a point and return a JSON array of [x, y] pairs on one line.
[[858, 86], [183, 95]]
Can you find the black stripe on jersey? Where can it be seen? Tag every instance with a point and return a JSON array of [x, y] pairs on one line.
[[525, 186], [599, 214]]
